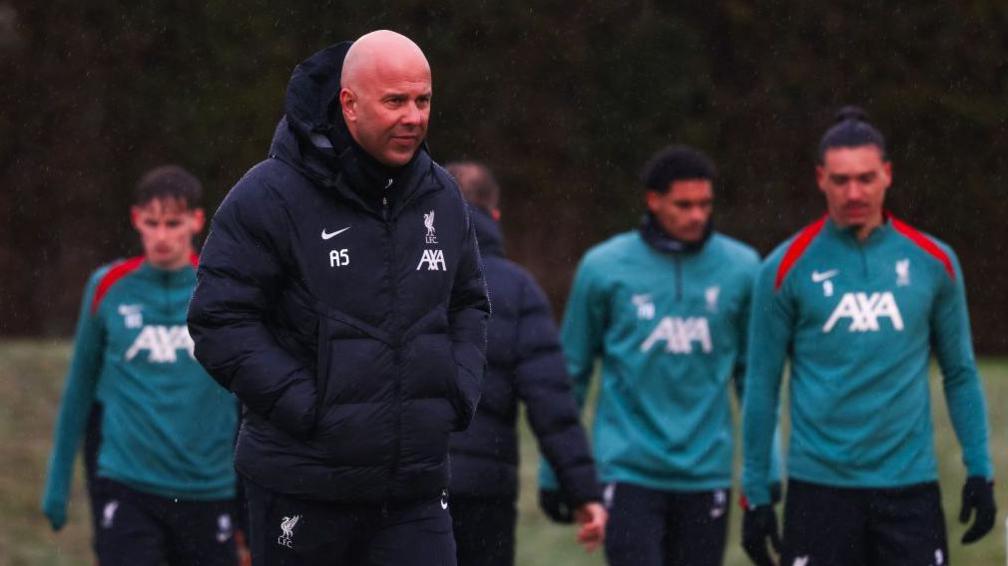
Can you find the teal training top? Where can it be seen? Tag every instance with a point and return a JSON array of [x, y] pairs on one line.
[[670, 332], [167, 428], [859, 321]]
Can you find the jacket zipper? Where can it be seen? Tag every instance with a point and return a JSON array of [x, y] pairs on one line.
[[397, 349], [166, 288], [863, 255], [678, 279]]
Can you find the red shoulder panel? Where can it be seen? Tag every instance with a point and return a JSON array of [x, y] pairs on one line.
[[117, 272], [927, 244], [797, 248]]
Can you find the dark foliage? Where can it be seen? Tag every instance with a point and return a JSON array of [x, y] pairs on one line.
[[566, 103]]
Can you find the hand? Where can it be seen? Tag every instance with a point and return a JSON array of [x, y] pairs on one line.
[[55, 511], [592, 518], [758, 525], [977, 495], [554, 503], [241, 544]]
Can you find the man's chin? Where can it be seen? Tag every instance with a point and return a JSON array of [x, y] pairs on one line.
[[853, 220], [397, 158], [691, 237], [162, 261]]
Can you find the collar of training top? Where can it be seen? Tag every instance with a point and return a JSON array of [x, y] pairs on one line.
[[662, 241]]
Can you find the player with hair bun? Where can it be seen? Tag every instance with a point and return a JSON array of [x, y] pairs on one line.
[[858, 301]]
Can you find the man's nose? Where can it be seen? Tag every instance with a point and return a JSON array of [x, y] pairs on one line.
[[855, 190], [413, 115]]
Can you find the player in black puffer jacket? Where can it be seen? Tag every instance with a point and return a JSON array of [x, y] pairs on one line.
[[525, 364]]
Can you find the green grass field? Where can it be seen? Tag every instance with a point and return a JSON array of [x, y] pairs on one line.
[[31, 375]]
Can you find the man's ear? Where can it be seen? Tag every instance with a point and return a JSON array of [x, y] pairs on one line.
[[348, 104], [135, 217], [651, 200], [820, 177], [199, 220]]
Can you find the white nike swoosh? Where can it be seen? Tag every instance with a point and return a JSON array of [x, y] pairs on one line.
[[327, 235], [820, 277]]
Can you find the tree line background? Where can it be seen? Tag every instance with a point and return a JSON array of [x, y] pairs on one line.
[[565, 101]]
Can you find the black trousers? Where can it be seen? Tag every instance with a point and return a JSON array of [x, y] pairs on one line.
[[649, 527], [827, 526], [286, 531], [484, 530], [139, 529]]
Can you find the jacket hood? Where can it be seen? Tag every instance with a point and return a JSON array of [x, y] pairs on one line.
[[488, 233], [313, 138]]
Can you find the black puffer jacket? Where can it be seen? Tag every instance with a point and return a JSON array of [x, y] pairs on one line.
[[524, 363], [346, 309]]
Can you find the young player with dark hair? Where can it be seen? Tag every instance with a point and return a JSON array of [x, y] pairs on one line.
[[858, 301], [165, 482], [665, 307]]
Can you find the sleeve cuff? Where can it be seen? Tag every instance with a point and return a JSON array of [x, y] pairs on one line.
[[547, 479]]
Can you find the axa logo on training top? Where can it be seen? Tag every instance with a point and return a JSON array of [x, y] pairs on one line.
[[679, 334], [433, 258], [340, 257], [864, 311], [161, 343]]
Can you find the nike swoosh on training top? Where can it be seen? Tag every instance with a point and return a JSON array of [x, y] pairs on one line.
[[327, 235], [818, 277]]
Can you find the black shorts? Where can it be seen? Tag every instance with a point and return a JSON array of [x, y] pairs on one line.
[[286, 531], [136, 528], [484, 530], [839, 526], [649, 527]]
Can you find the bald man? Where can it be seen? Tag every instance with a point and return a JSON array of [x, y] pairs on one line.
[[524, 363], [340, 296]]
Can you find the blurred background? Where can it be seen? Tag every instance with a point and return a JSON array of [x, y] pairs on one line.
[[565, 101]]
